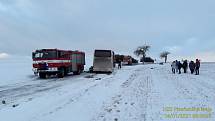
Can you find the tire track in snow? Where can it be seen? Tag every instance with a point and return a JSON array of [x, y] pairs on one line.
[[96, 80], [132, 102], [28, 91], [193, 88], [204, 91], [128, 82]]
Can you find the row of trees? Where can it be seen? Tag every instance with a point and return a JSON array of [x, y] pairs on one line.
[[141, 51]]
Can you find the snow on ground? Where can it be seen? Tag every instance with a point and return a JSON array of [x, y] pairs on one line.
[[15, 69], [134, 93]]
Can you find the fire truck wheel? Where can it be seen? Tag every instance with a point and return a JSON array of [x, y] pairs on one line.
[[66, 71], [42, 75], [78, 72], [61, 74]]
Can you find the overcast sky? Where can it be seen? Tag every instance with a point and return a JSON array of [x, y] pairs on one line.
[[186, 28]]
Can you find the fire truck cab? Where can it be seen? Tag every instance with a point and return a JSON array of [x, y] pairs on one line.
[[48, 62]]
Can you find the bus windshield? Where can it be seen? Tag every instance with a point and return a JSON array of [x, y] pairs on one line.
[[102, 53], [44, 54]]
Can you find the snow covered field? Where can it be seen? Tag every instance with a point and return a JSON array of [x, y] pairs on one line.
[[15, 70], [134, 93]]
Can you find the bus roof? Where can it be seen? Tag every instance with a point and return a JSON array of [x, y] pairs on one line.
[[102, 50]]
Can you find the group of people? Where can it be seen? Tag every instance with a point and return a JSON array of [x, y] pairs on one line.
[[193, 66]]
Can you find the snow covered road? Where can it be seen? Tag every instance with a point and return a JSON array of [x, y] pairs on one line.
[[135, 93]]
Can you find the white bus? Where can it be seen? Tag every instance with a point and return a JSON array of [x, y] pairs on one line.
[[103, 61]]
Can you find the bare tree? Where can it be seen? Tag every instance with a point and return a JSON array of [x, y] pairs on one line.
[[141, 51], [164, 55]]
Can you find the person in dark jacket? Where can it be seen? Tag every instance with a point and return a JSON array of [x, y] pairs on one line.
[[176, 69], [179, 67], [197, 66], [192, 66], [119, 64], [185, 66]]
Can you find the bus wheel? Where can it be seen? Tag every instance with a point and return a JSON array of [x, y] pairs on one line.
[[61, 74], [42, 75]]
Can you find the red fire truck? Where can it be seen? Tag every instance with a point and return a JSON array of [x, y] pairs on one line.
[[127, 60], [48, 62]]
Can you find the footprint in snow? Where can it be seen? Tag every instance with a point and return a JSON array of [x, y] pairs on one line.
[[116, 119], [109, 110], [98, 79], [15, 105], [132, 103], [30, 99], [3, 102]]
